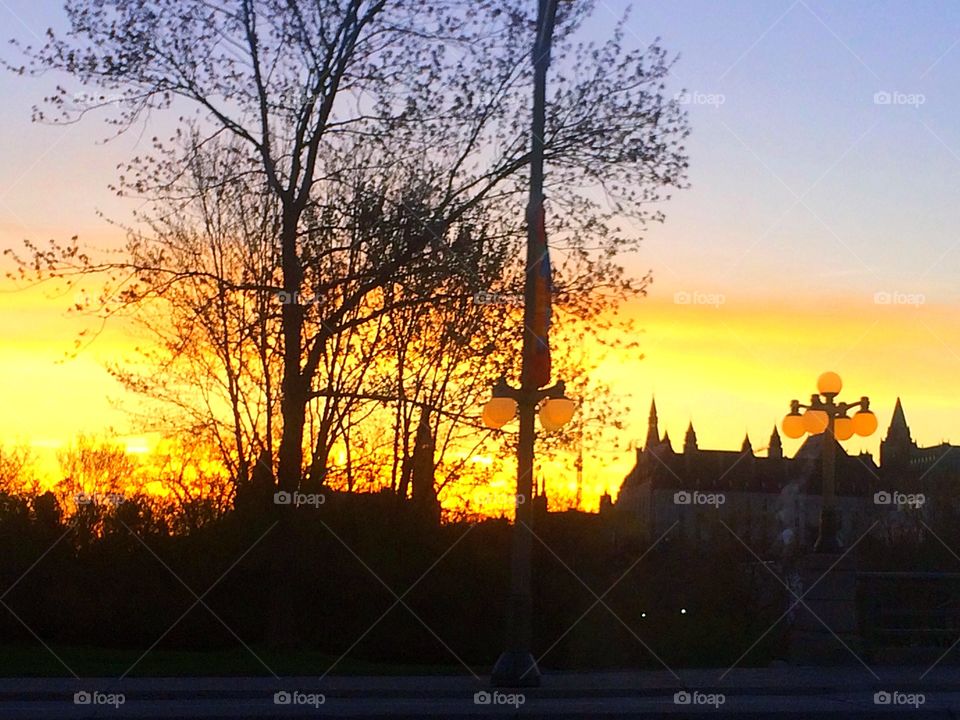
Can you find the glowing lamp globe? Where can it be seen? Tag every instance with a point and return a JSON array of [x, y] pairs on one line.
[[864, 423], [499, 411], [793, 426], [815, 421], [556, 412], [829, 384], [843, 428], [547, 425]]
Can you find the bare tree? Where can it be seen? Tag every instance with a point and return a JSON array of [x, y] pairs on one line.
[[371, 132], [96, 471], [213, 355], [17, 470], [195, 489]]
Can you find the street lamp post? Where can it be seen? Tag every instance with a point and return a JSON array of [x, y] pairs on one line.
[[827, 417], [516, 666]]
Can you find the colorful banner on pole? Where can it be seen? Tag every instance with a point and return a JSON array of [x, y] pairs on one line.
[[539, 317]]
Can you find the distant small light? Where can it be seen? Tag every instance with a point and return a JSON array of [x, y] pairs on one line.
[[643, 615], [683, 611]]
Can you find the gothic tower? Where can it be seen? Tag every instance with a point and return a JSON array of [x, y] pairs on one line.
[[897, 447], [691, 454], [665, 443], [653, 432], [775, 452]]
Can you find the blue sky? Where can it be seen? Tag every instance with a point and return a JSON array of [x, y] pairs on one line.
[[794, 164], [798, 166]]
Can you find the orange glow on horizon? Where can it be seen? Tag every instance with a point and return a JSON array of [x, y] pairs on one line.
[[731, 368]]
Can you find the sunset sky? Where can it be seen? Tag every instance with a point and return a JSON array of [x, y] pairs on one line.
[[819, 232]]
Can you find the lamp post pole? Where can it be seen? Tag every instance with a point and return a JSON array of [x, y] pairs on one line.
[[517, 667], [827, 537], [826, 416]]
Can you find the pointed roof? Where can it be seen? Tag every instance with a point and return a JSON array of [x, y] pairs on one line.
[[690, 439], [812, 447], [747, 446], [653, 434], [775, 448], [855, 474], [898, 423], [666, 440], [899, 418]]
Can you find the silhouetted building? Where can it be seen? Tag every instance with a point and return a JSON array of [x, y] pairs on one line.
[[910, 467], [773, 500], [932, 473]]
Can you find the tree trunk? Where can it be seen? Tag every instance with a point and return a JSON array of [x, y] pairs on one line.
[[293, 409], [294, 388]]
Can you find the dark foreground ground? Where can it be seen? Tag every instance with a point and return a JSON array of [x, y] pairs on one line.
[[748, 693]]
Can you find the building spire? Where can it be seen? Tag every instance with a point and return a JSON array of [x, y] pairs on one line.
[[896, 447], [747, 447], [653, 432], [776, 445], [665, 442], [898, 424], [690, 441]]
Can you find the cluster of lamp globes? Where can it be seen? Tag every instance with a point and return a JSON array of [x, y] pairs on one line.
[[554, 412], [815, 419]]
